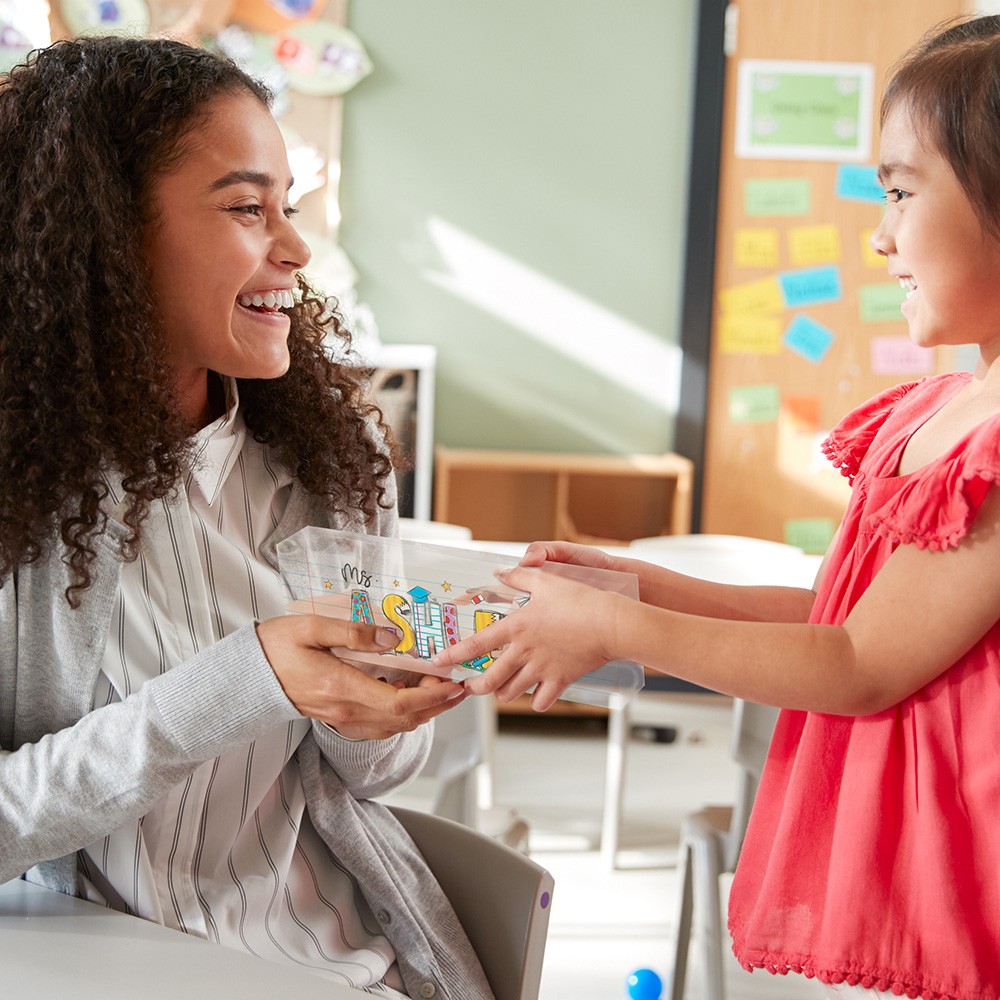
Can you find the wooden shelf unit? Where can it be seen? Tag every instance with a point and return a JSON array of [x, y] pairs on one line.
[[522, 496]]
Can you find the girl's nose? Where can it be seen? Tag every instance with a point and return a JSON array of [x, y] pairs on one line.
[[881, 239]]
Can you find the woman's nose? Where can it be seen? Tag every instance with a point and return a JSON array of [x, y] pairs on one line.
[[292, 250]]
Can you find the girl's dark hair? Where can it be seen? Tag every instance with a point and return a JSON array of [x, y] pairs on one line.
[[85, 127], [950, 83]]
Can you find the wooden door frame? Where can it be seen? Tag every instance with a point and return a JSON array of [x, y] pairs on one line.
[[700, 240]]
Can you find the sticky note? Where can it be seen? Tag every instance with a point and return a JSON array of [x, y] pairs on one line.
[[813, 245], [807, 337], [810, 286], [803, 411], [880, 303], [787, 196], [868, 256], [859, 183], [811, 534], [739, 334], [752, 297], [750, 404], [900, 356], [755, 248]]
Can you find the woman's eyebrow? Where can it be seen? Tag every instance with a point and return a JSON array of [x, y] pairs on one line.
[[246, 177]]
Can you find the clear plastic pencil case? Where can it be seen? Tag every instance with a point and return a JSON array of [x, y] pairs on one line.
[[432, 596]]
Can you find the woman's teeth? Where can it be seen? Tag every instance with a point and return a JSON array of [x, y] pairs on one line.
[[908, 285], [280, 298]]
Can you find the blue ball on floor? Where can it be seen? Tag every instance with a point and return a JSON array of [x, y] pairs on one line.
[[644, 984]]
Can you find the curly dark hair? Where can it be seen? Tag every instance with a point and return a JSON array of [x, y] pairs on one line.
[[85, 127]]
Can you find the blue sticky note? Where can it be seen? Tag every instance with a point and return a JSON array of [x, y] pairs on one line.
[[859, 183], [810, 286], [807, 337]]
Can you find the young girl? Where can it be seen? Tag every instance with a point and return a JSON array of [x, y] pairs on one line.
[[171, 743], [873, 855]]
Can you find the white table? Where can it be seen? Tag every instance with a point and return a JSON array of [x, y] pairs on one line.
[[53, 945]]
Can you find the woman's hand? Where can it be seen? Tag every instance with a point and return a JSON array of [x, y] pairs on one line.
[[566, 630], [322, 686]]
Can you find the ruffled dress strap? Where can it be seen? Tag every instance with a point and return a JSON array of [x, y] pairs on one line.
[[848, 443], [936, 505]]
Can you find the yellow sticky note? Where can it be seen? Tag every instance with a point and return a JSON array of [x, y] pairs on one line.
[[868, 256], [752, 298], [750, 334], [756, 248], [813, 245]]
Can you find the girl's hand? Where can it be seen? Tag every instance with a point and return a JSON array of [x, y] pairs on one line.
[[566, 630], [324, 687], [569, 552]]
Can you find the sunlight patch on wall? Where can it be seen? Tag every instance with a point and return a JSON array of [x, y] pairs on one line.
[[556, 316]]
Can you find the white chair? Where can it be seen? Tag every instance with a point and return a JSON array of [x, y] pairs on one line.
[[501, 898], [450, 782], [711, 840]]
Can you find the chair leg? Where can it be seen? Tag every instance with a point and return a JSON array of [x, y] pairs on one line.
[[674, 989], [707, 863]]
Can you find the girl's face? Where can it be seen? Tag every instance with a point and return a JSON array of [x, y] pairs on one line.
[[222, 252], [935, 244]]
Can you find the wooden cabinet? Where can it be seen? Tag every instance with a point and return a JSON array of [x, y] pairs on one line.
[[595, 499]]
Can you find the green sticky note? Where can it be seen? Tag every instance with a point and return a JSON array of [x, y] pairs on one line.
[[786, 196], [880, 303], [811, 534], [751, 404]]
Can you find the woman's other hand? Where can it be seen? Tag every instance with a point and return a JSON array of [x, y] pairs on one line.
[[322, 686]]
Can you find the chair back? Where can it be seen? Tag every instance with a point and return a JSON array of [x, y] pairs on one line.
[[753, 726], [501, 898]]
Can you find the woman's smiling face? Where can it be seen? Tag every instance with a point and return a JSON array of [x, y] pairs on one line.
[[222, 252]]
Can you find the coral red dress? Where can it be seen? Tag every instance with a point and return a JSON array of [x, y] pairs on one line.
[[873, 853]]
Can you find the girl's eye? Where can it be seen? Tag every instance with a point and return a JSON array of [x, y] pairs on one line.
[[894, 195]]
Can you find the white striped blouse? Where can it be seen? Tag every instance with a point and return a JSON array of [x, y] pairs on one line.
[[229, 854]]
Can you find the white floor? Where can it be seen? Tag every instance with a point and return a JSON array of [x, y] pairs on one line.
[[604, 923]]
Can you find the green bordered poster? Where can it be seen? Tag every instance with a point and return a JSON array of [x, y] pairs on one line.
[[797, 110]]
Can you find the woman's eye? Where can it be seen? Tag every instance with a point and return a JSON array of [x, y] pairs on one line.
[[894, 195], [290, 211], [252, 209]]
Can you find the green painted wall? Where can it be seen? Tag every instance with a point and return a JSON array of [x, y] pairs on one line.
[[514, 193]]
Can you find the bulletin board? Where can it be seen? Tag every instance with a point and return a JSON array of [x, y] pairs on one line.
[[806, 323]]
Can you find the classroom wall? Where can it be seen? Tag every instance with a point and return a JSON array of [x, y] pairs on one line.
[[513, 191]]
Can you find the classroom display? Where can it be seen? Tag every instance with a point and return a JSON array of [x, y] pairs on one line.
[[431, 596]]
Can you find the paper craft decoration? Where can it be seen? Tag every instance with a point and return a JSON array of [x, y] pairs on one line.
[[14, 47], [274, 15], [431, 596], [796, 110], [321, 58], [105, 17]]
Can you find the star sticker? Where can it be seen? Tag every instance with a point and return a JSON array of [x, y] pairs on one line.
[[328, 584], [446, 586], [395, 583]]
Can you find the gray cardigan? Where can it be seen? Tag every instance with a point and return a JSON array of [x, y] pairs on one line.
[[70, 774]]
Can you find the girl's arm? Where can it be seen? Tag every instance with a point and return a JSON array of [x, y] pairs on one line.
[[665, 588], [922, 611]]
